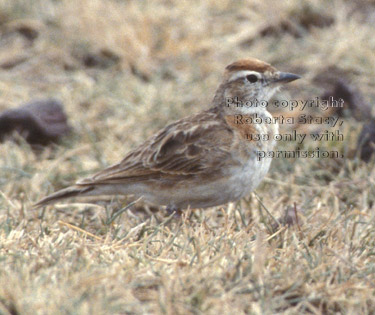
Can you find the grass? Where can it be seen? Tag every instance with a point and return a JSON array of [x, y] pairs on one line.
[[155, 62]]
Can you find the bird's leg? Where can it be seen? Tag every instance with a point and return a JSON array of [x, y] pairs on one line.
[[173, 209]]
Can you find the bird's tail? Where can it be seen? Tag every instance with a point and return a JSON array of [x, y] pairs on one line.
[[68, 192]]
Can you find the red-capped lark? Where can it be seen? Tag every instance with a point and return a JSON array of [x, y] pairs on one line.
[[203, 160]]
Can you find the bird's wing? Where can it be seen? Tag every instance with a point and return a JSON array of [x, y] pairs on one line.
[[197, 145]]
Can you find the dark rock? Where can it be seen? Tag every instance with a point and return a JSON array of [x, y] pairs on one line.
[[366, 141], [337, 84], [40, 122], [354, 102]]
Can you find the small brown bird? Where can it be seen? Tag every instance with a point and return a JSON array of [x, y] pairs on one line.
[[203, 160]]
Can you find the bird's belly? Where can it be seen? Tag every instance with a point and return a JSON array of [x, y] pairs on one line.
[[232, 186], [249, 177]]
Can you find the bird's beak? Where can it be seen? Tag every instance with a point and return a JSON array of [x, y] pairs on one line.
[[285, 77]]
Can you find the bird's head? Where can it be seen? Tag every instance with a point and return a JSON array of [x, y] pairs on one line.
[[250, 80]]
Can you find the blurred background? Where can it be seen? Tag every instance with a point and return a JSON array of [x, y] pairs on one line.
[[123, 69], [107, 74]]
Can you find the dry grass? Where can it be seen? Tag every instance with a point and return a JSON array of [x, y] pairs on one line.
[[161, 60]]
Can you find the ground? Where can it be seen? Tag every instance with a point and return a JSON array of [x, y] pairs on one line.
[[124, 69]]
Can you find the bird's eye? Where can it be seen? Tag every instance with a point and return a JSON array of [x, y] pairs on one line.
[[252, 78]]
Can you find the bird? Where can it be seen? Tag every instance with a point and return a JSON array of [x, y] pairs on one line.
[[203, 160]]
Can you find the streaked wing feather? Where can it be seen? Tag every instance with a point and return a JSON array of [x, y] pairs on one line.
[[191, 146]]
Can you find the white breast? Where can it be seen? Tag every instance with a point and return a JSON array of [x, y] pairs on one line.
[[253, 171]]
